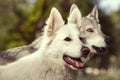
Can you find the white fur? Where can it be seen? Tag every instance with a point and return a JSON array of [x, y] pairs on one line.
[[47, 63]]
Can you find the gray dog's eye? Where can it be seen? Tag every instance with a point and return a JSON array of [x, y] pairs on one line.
[[68, 39], [90, 30]]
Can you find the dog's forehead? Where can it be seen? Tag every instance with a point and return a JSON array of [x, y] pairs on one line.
[[91, 22], [69, 29]]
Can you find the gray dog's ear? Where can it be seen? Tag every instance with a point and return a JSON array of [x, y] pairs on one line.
[[94, 13], [74, 6]]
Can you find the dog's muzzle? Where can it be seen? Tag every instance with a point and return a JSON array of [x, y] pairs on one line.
[[102, 49], [85, 52], [99, 49], [77, 62]]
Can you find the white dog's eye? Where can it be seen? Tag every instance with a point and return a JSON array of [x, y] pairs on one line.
[[90, 30], [68, 39]]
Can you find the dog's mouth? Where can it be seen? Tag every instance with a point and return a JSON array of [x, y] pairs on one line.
[[75, 62], [99, 49]]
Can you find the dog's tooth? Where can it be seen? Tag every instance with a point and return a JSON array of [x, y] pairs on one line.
[[77, 64], [72, 61], [69, 58], [81, 64]]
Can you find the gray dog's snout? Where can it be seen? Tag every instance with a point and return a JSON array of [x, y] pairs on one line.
[[85, 51], [108, 40]]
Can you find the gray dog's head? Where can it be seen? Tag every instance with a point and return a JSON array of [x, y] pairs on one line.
[[90, 29]]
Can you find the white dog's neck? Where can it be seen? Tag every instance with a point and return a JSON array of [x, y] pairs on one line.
[[54, 70]]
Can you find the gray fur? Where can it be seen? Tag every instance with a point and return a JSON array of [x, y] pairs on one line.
[[11, 55]]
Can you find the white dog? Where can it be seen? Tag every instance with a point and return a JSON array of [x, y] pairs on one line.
[[60, 55]]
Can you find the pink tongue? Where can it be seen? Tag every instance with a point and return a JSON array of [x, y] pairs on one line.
[[74, 62]]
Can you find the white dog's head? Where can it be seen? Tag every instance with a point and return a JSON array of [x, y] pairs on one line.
[[63, 43], [90, 29]]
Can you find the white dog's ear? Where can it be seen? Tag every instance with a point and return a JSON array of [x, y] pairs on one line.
[[74, 6], [54, 22], [75, 17], [94, 13]]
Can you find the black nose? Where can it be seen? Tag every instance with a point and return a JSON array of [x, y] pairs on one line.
[[108, 40], [85, 52]]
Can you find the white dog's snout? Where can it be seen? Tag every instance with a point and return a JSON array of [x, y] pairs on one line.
[[85, 51]]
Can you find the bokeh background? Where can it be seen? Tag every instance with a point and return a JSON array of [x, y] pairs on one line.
[[21, 21]]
